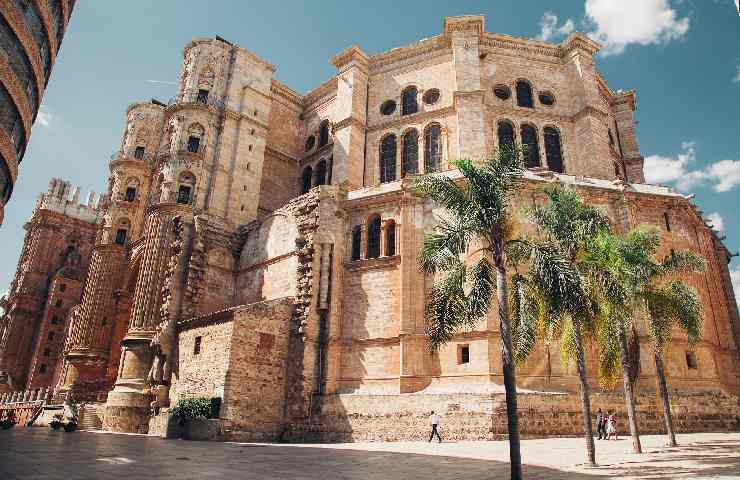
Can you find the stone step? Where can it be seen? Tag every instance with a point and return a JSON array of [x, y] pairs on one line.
[[90, 416]]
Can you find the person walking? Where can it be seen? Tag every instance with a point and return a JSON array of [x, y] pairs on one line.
[[611, 426], [434, 420], [601, 424]]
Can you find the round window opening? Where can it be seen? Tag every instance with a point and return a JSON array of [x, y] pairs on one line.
[[547, 98], [502, 92], [388, 107], [310, 141], [431, 96]]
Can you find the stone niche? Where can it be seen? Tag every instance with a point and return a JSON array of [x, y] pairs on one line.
[[240, 355]]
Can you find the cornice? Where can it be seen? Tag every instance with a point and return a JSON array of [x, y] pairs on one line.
[[316, 96], [17, 93], [519, 45], [629, 98], [372, 263], [579, 41], [280, 90], [466, 23], [351, 54], [280, 155], [420, 117], [426, 46]]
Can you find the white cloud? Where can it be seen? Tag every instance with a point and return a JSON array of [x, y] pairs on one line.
[[550, 29], [737, 75], [735, 276], [723, 175], [44, 116], [716, 221], [617, 24]]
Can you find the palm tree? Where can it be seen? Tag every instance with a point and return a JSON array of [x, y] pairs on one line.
[[552, 297], [477, 215], [651, 285]]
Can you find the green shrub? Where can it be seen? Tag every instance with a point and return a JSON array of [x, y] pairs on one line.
[[192, 408]]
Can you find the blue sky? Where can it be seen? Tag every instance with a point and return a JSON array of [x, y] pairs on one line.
[[682, 57]]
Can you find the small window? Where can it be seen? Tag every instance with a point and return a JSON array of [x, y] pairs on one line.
[[431, 96], [324, 133], [667, 221], [390, 239], [524, 94], [196, 346], [502, 92], [310, 142], [202, 96], [356, 242], [50, 336], [47, 352], [463, 354], [388, 107], [183, 195], [691, 361], [130, 194], [409, 103], [42, 368], [55, 320], [62, 287], [121, 236], [193, 144], [547, 99], [139, 153], [373, 238], [58, 303]]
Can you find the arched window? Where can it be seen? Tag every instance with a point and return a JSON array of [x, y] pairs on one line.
[[122, 231], [505, 134], [185, 189], [323, 133], [390, 238], [356, 242], [529, 140], [388, 159], [553, 150], [131, 188], [409, 103], [320, 173], [373, 237], [432, 147], [306, 179], [195, 138], [524, 94], [410, 155]]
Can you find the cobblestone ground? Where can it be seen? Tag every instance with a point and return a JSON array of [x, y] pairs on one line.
[[38, 453]]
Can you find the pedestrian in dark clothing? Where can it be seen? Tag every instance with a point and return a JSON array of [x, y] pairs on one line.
[[601, 424], [434, 420]]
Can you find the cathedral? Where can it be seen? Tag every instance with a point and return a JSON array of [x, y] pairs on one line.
[[259, 246]]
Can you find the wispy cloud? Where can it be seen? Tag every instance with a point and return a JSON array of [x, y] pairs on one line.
[[716, 221], [549, 27], [681, 172], [735, 276], [44, 117], [162, 81], [736, 79]]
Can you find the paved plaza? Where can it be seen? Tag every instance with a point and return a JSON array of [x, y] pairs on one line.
[[38, 453]]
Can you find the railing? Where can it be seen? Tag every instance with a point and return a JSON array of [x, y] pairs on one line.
[[132, 155], [197, 97]]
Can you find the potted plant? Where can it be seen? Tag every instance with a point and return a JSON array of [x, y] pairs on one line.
[[192, 416], [56, 422], [8, 421]]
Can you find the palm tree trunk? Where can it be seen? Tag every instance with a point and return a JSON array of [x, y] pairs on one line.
[[585, 400], [663, 392], [629, 396], [507, 356]]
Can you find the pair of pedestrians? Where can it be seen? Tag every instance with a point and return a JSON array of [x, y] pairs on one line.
[[606, 425]]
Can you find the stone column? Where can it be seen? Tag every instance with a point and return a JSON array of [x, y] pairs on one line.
[[89, 326], [128, 404]]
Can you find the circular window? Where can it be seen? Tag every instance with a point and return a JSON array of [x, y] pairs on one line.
[[503, 92], [310, 142], [431, 96], [547, 98], [388, 107]]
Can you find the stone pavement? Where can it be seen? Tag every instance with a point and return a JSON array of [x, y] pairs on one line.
[[38, 453]]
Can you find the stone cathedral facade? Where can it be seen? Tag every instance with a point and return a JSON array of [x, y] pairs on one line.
[[259, 246]]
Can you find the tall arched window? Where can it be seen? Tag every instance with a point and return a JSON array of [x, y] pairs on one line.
[[390, 238], [186, 186], [306, 179], [195, 138], [356, 242], [373, 237], [320, 174], [529, 140], [432, 147], [553, 150], [409, 103], [524, 94], [323, 133], [505, 134], [410, 155], [388, 159]]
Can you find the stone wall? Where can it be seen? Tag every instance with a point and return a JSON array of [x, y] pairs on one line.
[[404, 417]]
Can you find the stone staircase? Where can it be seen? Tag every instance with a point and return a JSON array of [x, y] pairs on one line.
[[90, 416]]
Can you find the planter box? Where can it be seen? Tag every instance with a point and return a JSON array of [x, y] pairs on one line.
[[204, 429]]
